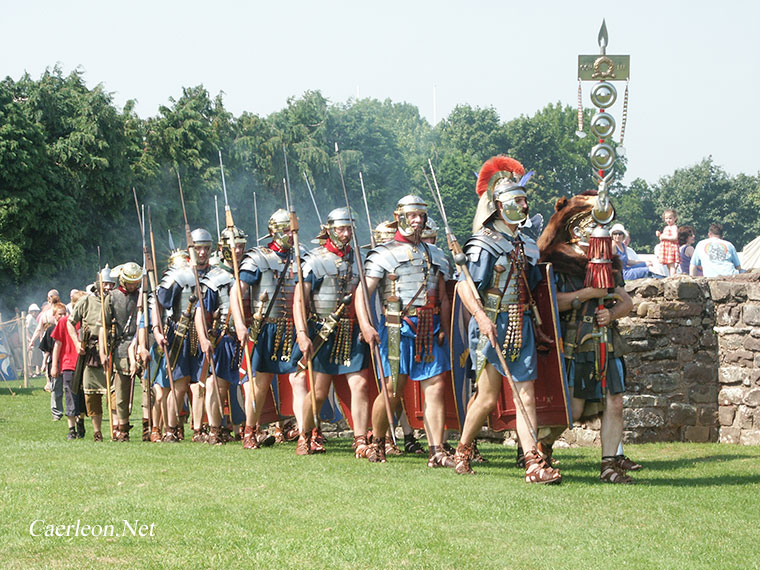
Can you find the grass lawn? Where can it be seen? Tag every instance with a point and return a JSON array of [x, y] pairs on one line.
[[694, 505]]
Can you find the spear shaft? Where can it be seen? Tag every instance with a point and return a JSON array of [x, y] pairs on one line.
[[299, 272], [313, 201], [151, 270], [229, 222], [461, 260], [193, 265], [372, 240], [365, 294]]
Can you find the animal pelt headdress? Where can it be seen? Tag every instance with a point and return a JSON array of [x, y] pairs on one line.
[[556, 243]]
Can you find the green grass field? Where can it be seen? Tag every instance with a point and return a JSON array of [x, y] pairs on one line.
[[694, 506]]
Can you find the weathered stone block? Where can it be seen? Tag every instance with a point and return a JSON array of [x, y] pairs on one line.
[[638, 345], [744, 417], [743, 358], [642, 309], [707, 415], [731, 374], [727, 316], [750, 437], [752, 343], [703, 394], [684, 335], [643, 401], [682, 414], [752, 398], [730, 342], [694, 372], [685, 354], [669, 353], [674, 310], [753, 291], [729, 435], [697, 434], [585, 437], [720, 290], [645, 287], [726, 415], [663, 383], [633, 332], [643, 418], [708, 339], [751, 314], [730, 396]]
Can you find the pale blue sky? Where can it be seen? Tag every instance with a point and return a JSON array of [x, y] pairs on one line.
[[694, 65]]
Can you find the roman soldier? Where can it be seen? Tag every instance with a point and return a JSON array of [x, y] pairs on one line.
[[502, 261], [216, 334], [267, 284], [409, 276], [593, 346], [87, 312], [177, 295], [330, 337], [120, 311]]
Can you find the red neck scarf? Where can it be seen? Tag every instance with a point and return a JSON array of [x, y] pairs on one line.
[[277, 248], [403, 239], [330, 246]]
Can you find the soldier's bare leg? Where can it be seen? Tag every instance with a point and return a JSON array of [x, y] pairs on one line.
[[212, 399], [359, 385], [434, 412], [480, 405], [379, 416], [300, 389], [612, 424], [321, 389], [175, 407], [197, 391]]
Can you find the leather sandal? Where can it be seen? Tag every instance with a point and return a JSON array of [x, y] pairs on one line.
[[377, 451], [264, 439], [249, 438], [547, 452], [316, 434], [155, 434], [215, 436], [279, 435], [316, 445], [627, 464], [520, 459], [412, 445], [612, 473], [439, 457], [304, 444], [361, 447], [97, 436], [391, 448], [171, 435], [537, 470], [476, 456], [463, 458], [199, 436]]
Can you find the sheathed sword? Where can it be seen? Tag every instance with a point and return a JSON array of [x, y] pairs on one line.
[[461, 260], [330, 324]]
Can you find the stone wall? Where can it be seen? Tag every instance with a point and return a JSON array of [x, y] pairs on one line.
[[694, 366]]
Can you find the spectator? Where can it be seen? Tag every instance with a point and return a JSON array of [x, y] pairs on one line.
[[44, 323], [686, 237], [35, 356], [56, 381], [668, 254], [631, 269], [714, 255], [65, 355]]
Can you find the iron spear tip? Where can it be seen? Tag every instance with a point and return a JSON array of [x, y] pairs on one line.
[[603, 37], [336, 146]]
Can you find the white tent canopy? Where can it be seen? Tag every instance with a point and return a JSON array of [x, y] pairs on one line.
[[750, 255]]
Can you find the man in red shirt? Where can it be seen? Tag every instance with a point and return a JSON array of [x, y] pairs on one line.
[[64, 362]]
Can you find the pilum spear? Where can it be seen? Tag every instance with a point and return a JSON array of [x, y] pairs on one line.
[[461, 260], [229, 222], [193, 265], [158, 322], [378, 366], [299, 272]]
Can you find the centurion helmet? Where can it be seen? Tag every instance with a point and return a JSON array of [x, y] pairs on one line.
[[279, 224], [384, 231], [338, 218], [201, 237], [431, 230], [105, 275], [406, 205], [233, 235], [501, 179], [130, 273], [178, 259]]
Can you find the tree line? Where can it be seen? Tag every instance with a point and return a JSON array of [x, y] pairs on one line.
[[69, 159]]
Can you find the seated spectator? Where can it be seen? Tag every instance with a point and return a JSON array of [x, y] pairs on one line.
[[714, 255], [686, 237], [631, 269]]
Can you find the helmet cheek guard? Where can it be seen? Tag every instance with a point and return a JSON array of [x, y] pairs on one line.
[[339, 218], [507, 192], [279, 224], [409, 204]]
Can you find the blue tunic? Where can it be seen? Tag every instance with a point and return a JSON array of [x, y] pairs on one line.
[[409, 366]]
